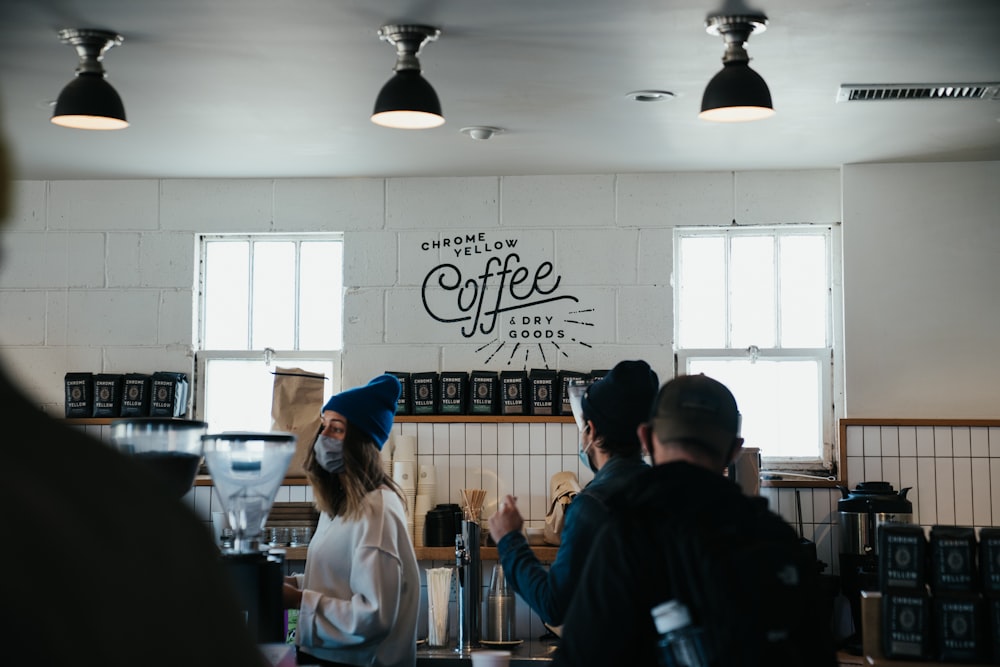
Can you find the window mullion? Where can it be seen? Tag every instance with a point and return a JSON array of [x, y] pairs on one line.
[[250, 311], [777, 290], [727, 260], [297, 305]]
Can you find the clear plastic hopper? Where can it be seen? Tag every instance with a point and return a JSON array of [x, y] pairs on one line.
[[247, 468], [171, 448]]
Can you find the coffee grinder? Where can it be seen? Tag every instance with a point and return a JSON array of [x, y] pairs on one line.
[[862, 512], [170, 448], [247, 468]]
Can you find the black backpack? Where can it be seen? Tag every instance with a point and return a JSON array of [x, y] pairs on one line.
[[754, 589]]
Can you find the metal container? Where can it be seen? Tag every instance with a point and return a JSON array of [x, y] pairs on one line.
[[470, 591], [866, 508], [862, 512]]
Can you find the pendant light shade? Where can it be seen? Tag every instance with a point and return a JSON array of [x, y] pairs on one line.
[[407, 100], [89, 102], [737, 93]]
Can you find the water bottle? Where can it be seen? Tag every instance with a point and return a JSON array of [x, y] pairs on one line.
[[681, 644]]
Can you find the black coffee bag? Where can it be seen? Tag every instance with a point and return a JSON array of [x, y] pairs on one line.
[[108, 394], [79, 394]]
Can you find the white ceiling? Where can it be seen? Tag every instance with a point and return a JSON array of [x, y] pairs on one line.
[[284, 88]]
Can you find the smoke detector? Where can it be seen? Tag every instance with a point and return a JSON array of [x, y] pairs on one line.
[[481, 132]]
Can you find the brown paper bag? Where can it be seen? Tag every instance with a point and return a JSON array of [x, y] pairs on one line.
[[295, 408], [563, 487]]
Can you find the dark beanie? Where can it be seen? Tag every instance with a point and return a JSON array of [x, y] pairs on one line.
[[621, 400], [369, 408]]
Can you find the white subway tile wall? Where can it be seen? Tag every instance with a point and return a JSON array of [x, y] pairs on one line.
[[953, 473]]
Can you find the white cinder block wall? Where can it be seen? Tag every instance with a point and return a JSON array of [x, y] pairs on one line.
[[101, 276]]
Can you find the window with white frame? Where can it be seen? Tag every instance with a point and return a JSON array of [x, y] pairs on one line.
[[758, 308], [265, 301]]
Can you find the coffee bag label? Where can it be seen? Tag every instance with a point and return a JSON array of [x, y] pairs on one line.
[[424, 398]]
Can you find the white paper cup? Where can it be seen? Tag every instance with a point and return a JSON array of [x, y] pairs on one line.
[[406, 448], [427, 476], [404, 474], [490, 658]]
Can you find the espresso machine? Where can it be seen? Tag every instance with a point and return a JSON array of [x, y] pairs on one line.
[[862, 512], [247, 468]]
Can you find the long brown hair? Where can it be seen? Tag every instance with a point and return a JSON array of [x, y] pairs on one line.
[[342, 494]]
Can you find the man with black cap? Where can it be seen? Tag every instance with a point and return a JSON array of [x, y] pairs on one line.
[[688, 534], [611, 410]]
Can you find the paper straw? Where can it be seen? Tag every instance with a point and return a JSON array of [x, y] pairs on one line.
[[438, 595]]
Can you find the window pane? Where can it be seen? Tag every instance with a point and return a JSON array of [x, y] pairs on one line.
[[701, 308], [321, 295], [238, 392], [226, 285], [804, 291], [780, 402], [274, 295], [751, 286]]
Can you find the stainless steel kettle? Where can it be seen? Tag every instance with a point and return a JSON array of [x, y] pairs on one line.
[[865, 509]]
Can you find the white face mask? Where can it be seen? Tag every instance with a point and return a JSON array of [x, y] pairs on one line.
[[329, 453]]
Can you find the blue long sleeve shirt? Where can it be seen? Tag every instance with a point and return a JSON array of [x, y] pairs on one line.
[[548, 590]]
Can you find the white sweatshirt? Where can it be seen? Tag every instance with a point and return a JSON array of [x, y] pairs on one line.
[[361, 588]]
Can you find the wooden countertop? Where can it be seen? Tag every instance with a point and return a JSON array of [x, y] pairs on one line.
[[545, 554]]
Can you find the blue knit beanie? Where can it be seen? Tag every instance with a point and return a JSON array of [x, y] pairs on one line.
[[370, 408]]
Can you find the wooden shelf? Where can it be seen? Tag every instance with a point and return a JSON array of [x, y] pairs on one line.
[[400, 419], [545, 554], [483, 419], [206, 480]]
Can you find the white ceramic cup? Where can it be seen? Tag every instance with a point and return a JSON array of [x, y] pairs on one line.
[[490, 658]]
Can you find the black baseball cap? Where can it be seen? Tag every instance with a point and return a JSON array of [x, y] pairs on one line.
[[699, 408]]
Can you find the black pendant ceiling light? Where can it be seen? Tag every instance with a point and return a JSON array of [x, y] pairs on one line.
[[737, 93], [407, 101], [89, 102]]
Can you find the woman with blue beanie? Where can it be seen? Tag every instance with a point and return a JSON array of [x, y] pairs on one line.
[[358, 598]]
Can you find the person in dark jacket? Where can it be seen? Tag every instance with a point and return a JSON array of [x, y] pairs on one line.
[[688, 533], [611, 410]]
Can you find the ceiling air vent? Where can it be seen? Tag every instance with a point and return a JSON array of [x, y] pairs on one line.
[[876, 92]]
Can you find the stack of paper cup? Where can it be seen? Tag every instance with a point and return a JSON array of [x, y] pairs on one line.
[[386, 454], [422, 505], [404, 473], [405, 448], [427, 481], [426, 491]]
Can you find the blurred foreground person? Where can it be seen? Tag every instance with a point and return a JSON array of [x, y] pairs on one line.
[[106, 567]]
